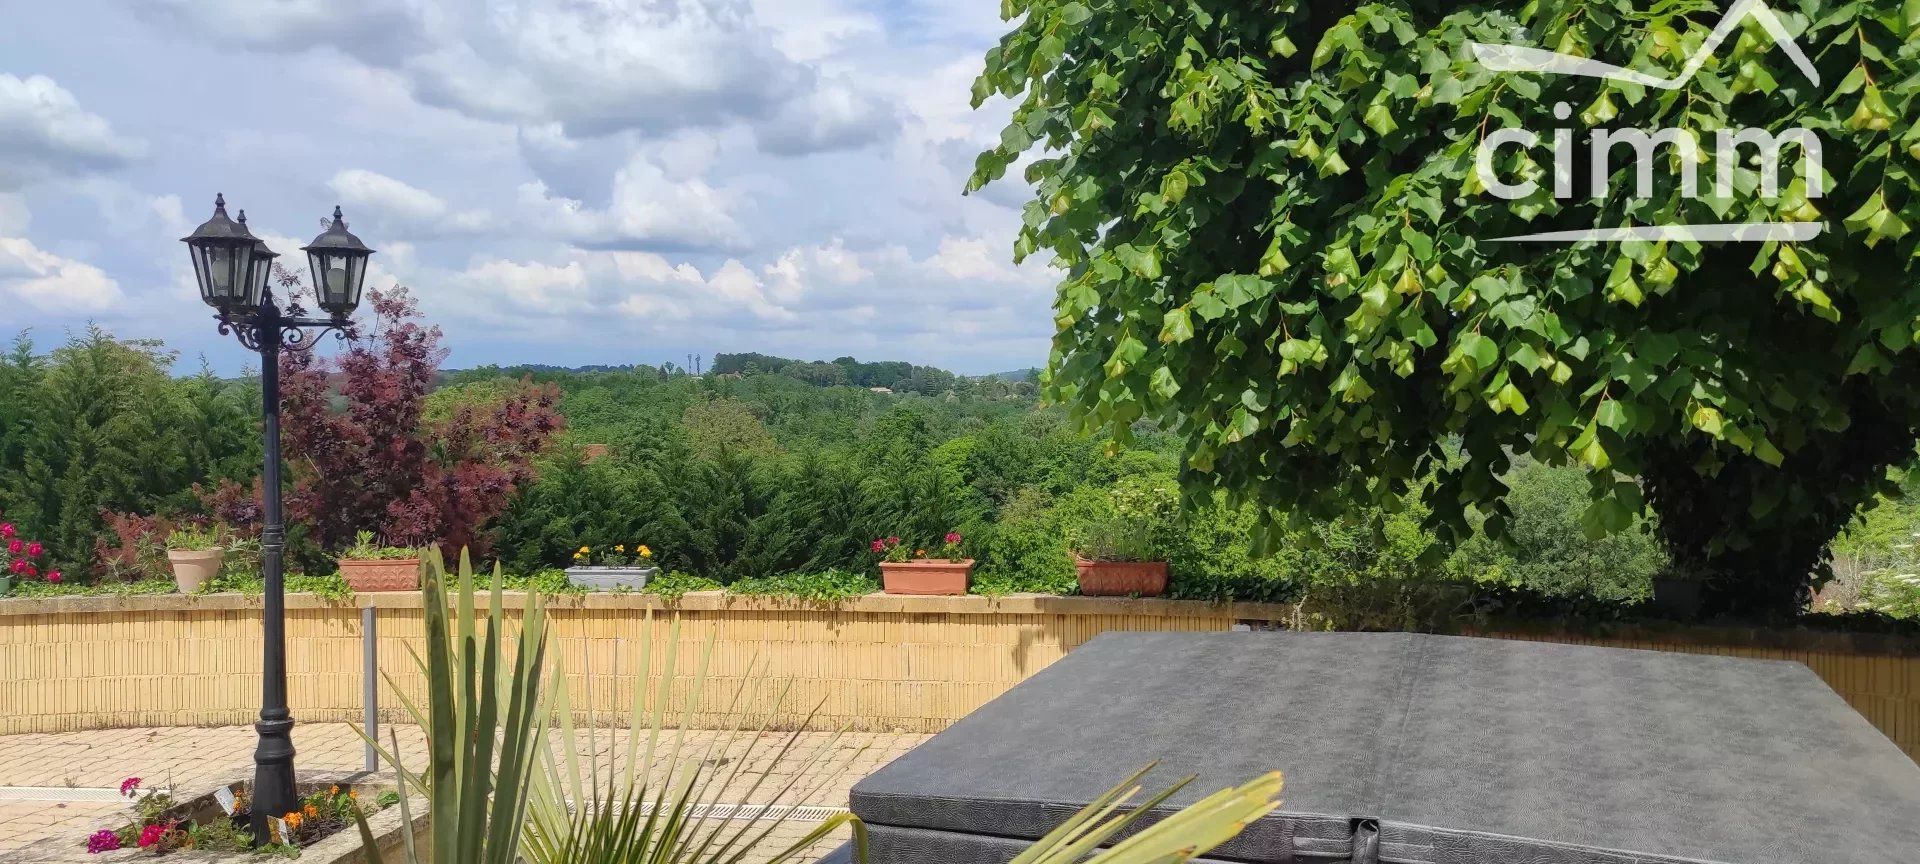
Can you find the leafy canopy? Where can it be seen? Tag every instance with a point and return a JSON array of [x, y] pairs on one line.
[[1275, 238]]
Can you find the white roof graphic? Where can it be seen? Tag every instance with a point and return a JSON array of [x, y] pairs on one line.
[[1515, 58]]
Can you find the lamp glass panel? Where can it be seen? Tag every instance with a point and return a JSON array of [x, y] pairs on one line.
[[220, 273]]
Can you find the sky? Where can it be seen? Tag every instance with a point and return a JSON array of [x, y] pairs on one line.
[[567, 182]]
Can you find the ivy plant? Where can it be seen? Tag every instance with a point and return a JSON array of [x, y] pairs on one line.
[[1277, 242]]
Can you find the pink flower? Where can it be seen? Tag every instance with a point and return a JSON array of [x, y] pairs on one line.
[[953, 536], [879, 545], [129, 786], [34, 549], [54, 577], [893, 541], [152, 834], [103, 840], [6, 529], [19, 565], [14, 546]]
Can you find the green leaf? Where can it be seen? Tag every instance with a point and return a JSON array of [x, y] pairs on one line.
[[1238, 289], [1177, 326], [1144, 263], [1164, 385]]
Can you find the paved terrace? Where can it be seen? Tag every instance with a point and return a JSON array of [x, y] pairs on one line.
[[62, 783]]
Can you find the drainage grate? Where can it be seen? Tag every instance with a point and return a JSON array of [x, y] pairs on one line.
[[755, 812], [73, 794]]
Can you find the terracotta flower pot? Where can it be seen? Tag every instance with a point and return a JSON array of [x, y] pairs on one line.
[[193, 569], [926, 576], [394, 574], [1122, 578]]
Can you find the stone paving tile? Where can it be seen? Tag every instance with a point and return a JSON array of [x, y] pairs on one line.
[[192, 757]]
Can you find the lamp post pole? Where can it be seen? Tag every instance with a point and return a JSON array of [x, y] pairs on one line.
[[274, 793], [235, 271]]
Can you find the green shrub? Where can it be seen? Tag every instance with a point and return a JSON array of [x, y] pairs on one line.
[[825, 587], [674, 584], [1025, 552], [1213, 560], [1548, 553]]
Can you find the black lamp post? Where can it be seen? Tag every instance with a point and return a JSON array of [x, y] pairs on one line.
[[235, 272]]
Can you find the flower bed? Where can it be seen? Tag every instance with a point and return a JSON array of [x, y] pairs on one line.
[[211, 825]]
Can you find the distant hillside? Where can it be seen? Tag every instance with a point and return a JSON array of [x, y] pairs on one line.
[[1029, 375], [892, 375]]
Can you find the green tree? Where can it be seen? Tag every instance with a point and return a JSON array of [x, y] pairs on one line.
[[1277, 243]]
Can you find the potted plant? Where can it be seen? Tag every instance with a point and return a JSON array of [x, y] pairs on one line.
[[1120, 549], [369, 566], [196, 555], [612, 568], [905, 572]]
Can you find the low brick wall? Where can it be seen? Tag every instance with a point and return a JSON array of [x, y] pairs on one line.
[[876, 663]]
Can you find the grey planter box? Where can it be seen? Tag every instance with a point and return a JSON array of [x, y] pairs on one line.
[[611, 578]]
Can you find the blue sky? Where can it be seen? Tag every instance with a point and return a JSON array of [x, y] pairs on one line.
[[559, 181]]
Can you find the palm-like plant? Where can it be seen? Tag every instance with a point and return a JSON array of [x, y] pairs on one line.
[[511, 792], [652, 806], [485, 717]]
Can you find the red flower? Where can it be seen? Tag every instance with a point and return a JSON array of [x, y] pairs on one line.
[[129, 785], [34, 549], [6, 529], [13, 546], [893, 541], [54, 577], [152, 834], [953, 536], [32, 571], [19, 565], [879, 545]]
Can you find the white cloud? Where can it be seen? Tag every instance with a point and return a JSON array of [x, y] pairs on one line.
[[648, 210], [834, 115], [51, 283], [594, 67], [373, 30], [973, 258], [44, 133], [811, 30], [405, 207]]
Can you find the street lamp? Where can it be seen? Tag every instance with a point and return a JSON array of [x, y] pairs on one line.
[[235, 272]]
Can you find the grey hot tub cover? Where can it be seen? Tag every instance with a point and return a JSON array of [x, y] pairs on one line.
[[1413, 749]]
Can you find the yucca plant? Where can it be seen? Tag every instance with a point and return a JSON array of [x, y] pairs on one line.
[[654, 806], [1194, 830], [485, 719]]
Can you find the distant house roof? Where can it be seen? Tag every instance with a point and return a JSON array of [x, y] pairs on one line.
[[881, 389]]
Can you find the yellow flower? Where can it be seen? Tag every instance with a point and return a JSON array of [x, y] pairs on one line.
[[920, 553], [310, 811], [620, 548], [584, 550], [645, 552], [334, 789]]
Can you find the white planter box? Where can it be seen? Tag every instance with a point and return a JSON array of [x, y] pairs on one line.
[[611, 578]]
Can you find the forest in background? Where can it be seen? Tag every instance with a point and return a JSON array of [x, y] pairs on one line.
[[764, 474]]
